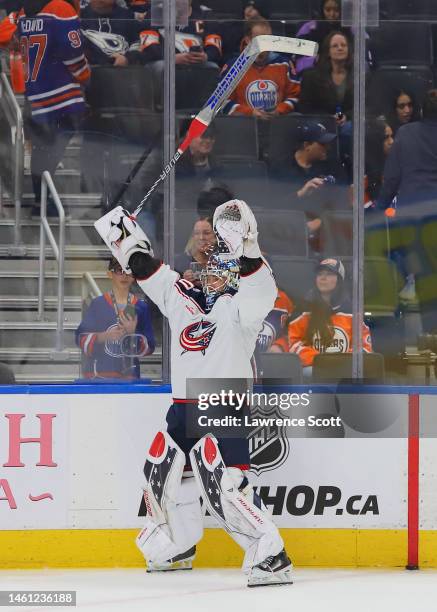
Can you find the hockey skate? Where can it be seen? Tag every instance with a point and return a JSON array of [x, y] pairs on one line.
[[184, 561], [273, 570]]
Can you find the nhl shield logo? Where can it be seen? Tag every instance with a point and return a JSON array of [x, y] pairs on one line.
[[268, 444]]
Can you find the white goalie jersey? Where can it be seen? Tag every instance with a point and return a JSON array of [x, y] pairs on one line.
[[215, 344]]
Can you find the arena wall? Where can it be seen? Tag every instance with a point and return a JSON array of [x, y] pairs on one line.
[[71, 477]]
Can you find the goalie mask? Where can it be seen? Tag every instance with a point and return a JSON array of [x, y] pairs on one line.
[[219, 276]]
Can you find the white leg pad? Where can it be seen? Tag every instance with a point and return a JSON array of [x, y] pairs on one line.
[[238, 511]]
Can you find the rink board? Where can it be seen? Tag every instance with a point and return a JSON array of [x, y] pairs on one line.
[[338, 501]]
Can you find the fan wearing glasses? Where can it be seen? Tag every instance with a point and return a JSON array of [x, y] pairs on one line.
[[116, 330]]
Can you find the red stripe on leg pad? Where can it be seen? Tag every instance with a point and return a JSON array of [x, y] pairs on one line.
[[210, 450], [158, 445]]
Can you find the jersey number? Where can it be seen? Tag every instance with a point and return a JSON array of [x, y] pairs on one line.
[[34, 40]]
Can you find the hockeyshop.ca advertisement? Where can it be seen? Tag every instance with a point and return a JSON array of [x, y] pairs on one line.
[[83, 457]]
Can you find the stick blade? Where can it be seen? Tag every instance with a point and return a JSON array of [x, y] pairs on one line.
[[283, 44]]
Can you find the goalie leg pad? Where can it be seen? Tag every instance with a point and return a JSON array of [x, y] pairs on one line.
[[231, 500], [174, 515]]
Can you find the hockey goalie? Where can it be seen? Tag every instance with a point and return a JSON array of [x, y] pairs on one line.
[[238, 291]]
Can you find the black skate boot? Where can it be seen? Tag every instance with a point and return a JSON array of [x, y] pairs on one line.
[[273, 570], [184, 561]]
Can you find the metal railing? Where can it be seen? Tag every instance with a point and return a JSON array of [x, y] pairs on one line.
[[12, 113], [59, 252], [89, 286]]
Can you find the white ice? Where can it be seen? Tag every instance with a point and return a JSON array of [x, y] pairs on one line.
[[215, 590]]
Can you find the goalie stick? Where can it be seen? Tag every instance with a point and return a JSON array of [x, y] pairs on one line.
[[260, 44]]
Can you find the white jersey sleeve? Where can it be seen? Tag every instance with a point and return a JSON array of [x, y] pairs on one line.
[[255, 297], [160, 288]]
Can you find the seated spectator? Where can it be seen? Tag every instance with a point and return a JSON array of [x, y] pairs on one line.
[[312, 182], [197, 44], [115, 331], [198, 249], [209, 199], [112, 35], [318, 29], [404, 110], [328, 88], [198, 161], [269, 88], [379, 140], [233, 31], [326, 323]]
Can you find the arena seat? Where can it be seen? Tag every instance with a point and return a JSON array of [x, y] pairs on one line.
[[112, 89], [417, 10], [225, 9], [236, 138], [385, 81], [282, 233], [294, 275], [401, 44], [335, 367], [298, 10], [280, 369], [247, 179]]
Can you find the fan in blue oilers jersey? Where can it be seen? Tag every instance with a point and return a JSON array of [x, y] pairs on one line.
[[55, 69], [115, 331]]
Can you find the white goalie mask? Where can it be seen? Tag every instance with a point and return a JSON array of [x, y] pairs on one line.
[[219, 276]]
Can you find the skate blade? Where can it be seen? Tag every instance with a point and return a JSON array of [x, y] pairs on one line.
[[263, 579], [171, 567]]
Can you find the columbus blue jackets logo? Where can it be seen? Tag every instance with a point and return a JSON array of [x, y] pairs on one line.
[[197, 336], [268, 444]]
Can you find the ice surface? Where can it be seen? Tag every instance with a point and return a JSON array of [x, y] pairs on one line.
[[215, 590]]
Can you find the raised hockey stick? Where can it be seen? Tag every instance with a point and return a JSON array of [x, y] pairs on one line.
[[202, 120], [260, 44]]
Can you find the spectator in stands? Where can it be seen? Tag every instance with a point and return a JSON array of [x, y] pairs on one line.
[[411, 169], [61, 66], [379, 140], [316, 183], [269, 88], [405, 110], [198, 44], [116, 330], [209, 199], [326, 323], [197, 251], [318, 29], [410, 175], [328, 88], [233, 31], [112, 36], [198, 160]]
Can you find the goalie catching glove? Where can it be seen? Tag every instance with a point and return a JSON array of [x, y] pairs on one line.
[[236, 229], [122, 234]]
